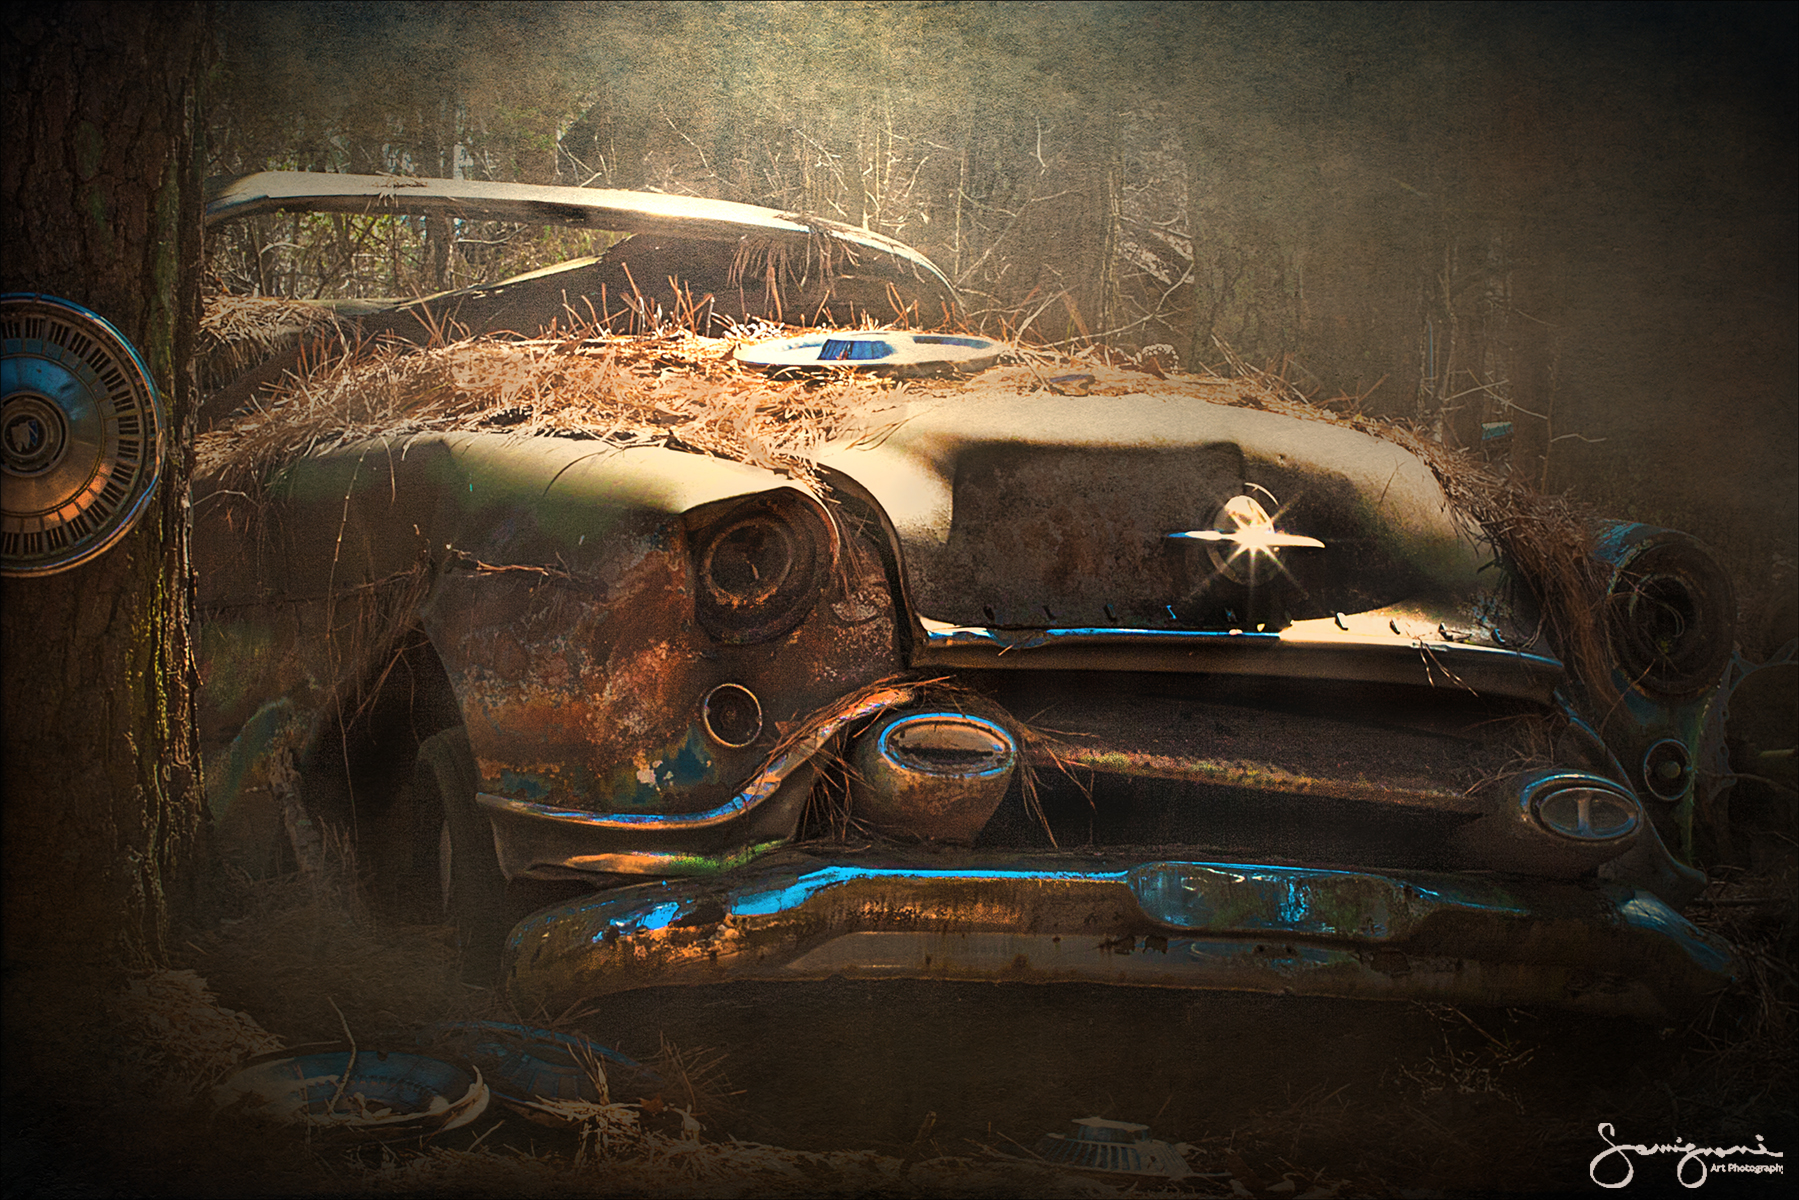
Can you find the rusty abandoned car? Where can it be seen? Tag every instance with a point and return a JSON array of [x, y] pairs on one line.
[[1163, 684]]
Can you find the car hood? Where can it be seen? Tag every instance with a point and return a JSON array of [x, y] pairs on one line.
[[1055, 513]]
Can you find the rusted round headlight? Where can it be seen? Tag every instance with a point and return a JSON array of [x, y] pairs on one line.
[[760, 569], [1672, 615]]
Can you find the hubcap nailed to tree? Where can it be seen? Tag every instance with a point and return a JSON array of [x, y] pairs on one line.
[[81, 430]]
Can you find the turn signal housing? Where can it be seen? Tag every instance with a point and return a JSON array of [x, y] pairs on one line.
[[933, 775], [1584, 807]]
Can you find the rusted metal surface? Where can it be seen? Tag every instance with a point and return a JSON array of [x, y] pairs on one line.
[[587, 611], [1260, 776], [1306, 650], [596, 702], [631, 637], [1440, 752], [1258, 659], [582, 682], [1051, 513], [1170, 923], [934, 774], [541, 839]]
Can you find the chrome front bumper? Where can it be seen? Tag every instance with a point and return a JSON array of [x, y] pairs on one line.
[[1202, 925]]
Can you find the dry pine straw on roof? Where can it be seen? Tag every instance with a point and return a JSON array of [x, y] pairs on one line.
[[259, 320], [237, 332]]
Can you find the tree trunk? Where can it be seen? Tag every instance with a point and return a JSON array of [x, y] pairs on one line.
[[100, 205]]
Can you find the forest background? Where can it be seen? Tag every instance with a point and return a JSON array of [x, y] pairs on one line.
[[1576, 220]]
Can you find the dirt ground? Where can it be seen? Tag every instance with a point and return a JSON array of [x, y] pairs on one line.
[[912, 1088]]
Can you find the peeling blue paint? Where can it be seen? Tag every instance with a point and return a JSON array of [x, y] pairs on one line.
[[1646, 911], [528, 786]]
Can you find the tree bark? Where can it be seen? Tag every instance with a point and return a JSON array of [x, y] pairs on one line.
[[100, 205]]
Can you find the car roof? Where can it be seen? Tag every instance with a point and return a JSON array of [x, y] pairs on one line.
[[658, 213]]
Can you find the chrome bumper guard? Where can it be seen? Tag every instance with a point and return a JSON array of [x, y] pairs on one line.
[[1203, 925]]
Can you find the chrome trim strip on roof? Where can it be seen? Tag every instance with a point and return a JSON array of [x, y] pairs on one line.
[[610, 209]]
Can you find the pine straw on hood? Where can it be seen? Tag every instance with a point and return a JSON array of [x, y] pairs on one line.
[[687, 391], [678, 389], [1549, 540]]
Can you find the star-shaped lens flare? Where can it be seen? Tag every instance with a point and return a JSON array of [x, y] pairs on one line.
[[1243, 540]]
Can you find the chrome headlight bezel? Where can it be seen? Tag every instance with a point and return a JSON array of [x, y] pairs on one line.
[[761, 566], [1578, 807], [947, 744], [1670, 612]]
